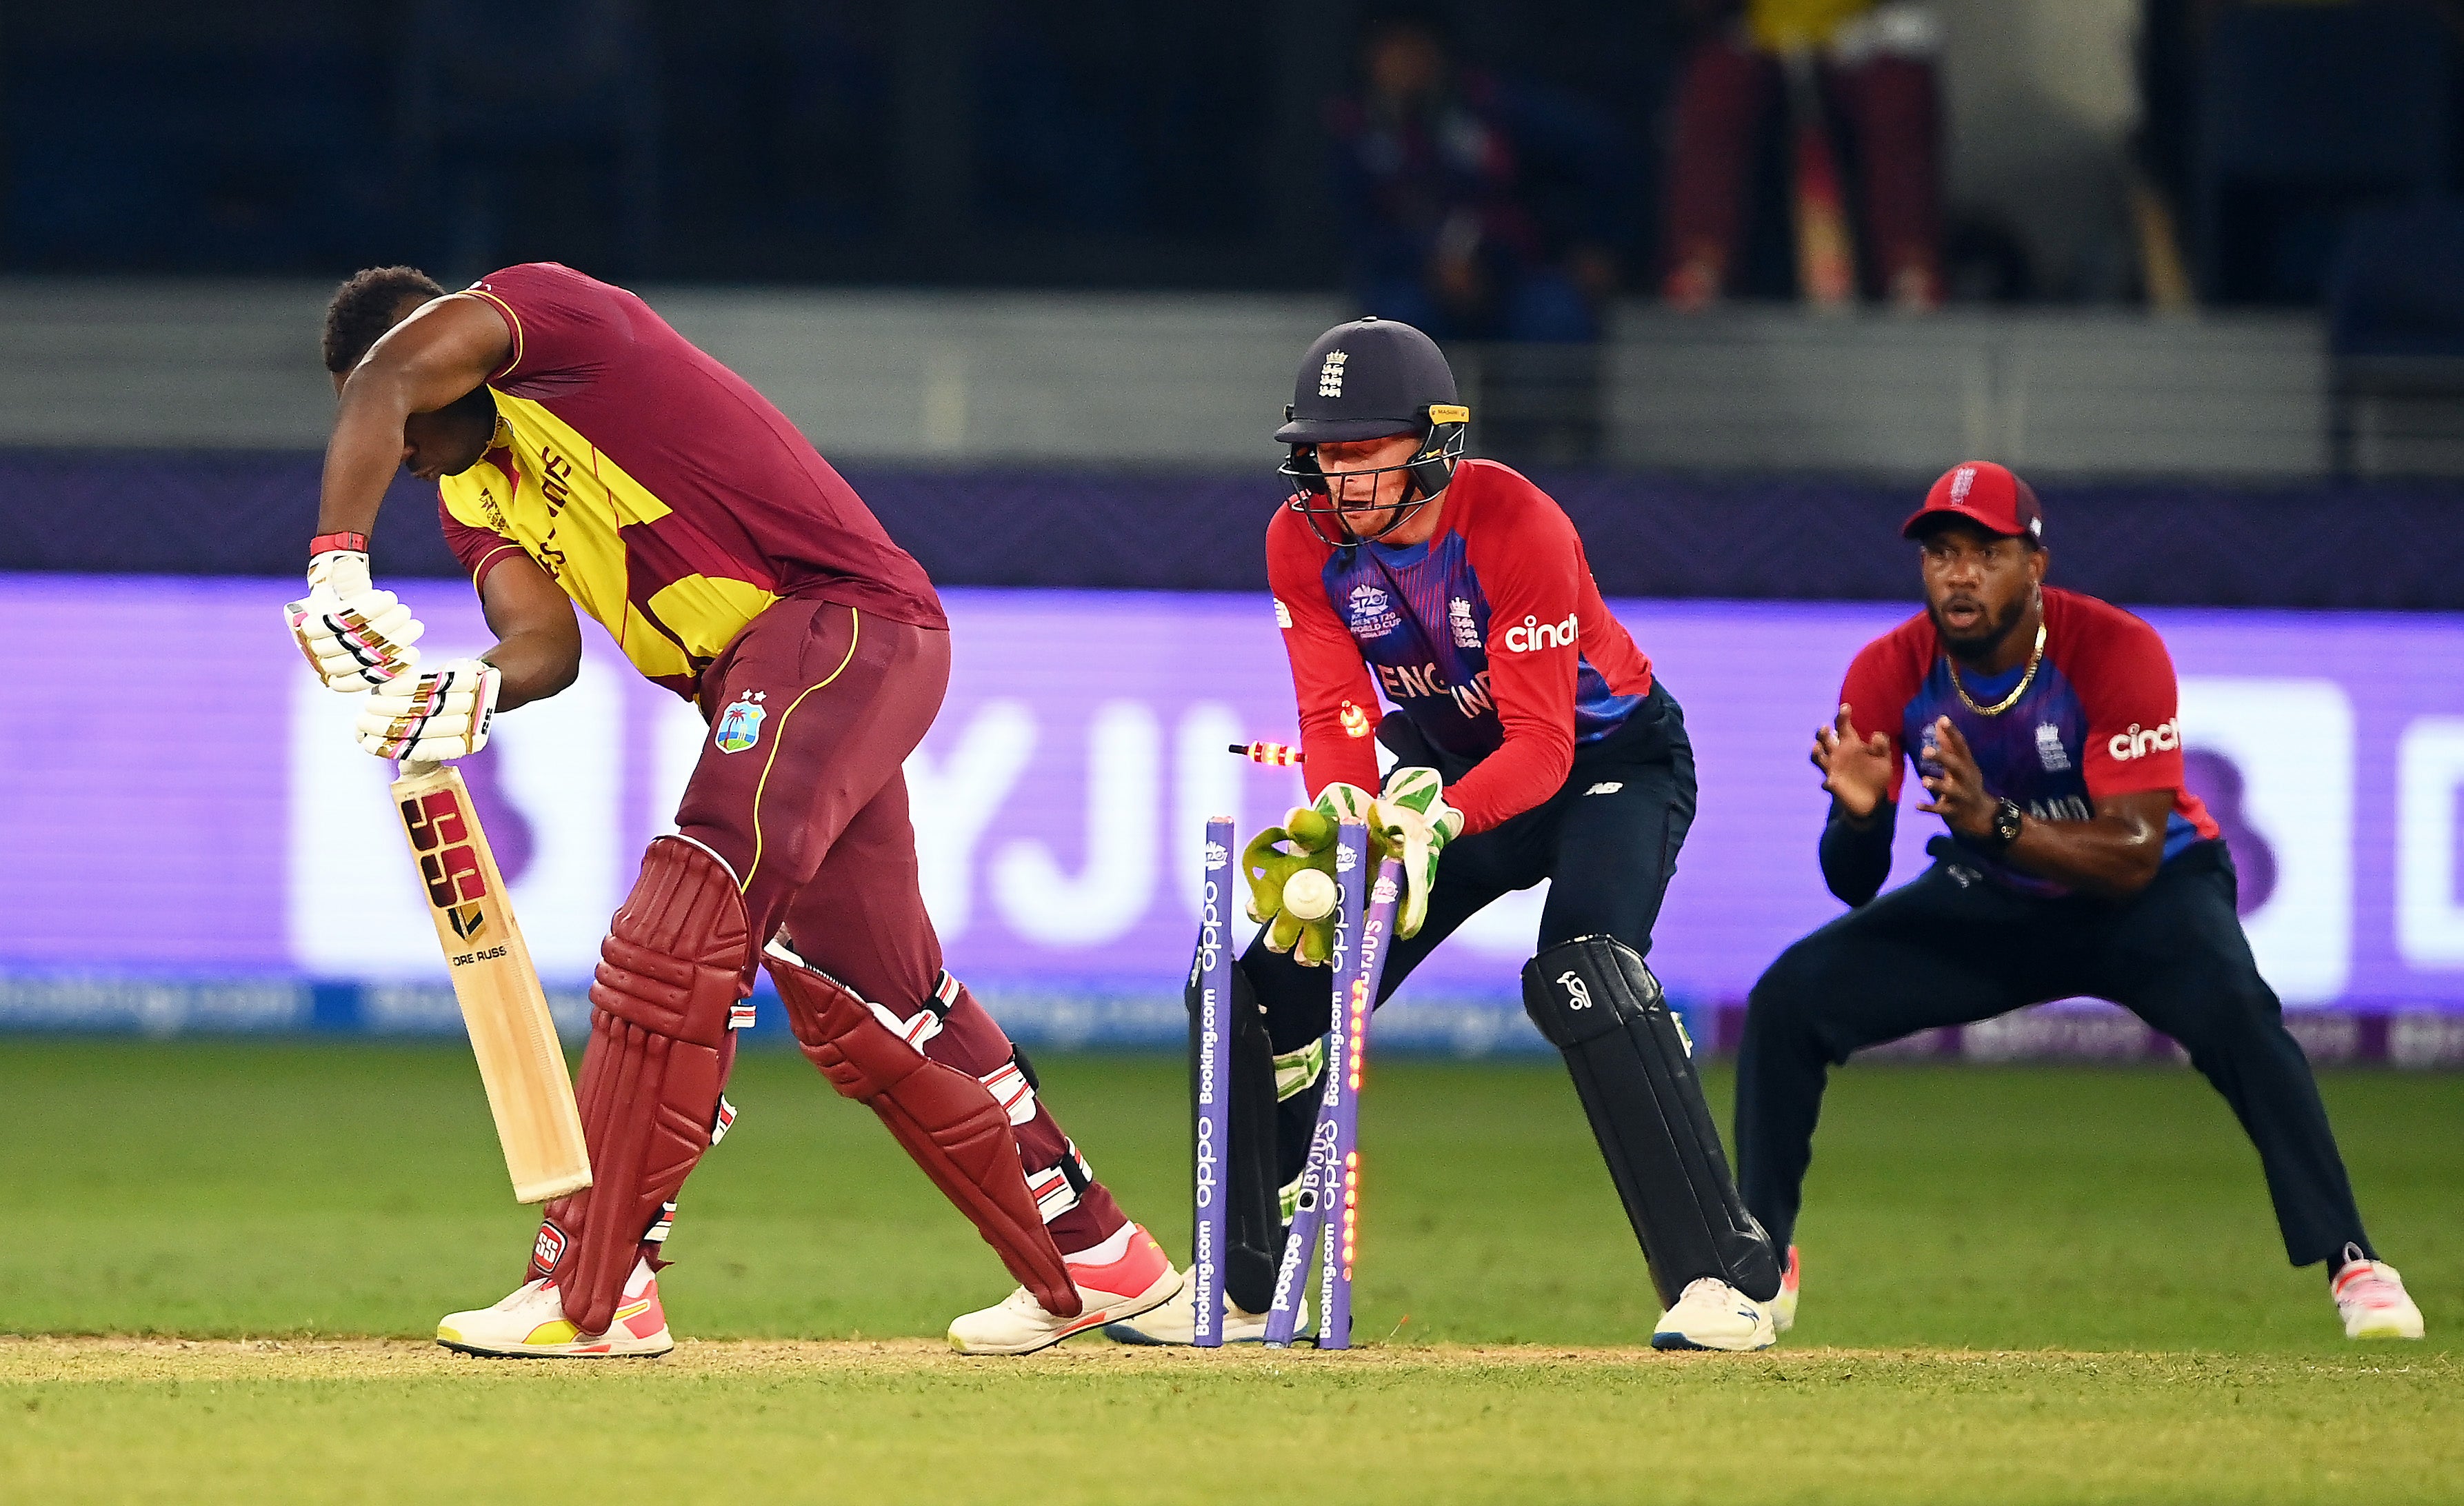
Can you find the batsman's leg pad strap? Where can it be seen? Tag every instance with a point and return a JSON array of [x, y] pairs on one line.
[[1632, 1065], [926, 1022], [1011, 1086], [671, 974], [951, 1123], [1058, 1187]]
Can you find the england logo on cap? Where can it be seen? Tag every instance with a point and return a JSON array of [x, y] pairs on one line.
[[1330, 377]]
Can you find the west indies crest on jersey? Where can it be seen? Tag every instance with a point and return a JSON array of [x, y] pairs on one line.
[[739, 726]]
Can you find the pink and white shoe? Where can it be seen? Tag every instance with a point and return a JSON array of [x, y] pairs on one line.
[[1783, 1307], [530, 1323], [1124, 1276], [2371, 1299]]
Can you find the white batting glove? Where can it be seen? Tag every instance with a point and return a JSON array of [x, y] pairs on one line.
[[355, 636], [1414, 823], [431, 716]]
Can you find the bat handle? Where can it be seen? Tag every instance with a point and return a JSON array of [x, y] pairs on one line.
[[418, 767]]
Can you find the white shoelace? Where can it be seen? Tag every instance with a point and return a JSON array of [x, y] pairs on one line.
[[1023, 1300]]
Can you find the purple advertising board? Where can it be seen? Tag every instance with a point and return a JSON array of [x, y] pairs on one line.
[[188, 811]]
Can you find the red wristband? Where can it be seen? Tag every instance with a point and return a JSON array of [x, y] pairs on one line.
[[327, 543]]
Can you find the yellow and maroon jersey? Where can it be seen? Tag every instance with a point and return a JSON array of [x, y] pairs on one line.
[[669, 499]]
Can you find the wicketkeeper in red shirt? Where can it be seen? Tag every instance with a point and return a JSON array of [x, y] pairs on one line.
[[1531, 742]]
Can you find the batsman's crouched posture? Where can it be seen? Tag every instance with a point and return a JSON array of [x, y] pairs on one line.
[[2044, 725], [583, 449], [1532, 742]]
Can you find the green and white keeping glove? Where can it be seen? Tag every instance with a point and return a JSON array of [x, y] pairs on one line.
[[1291, 869], [1413, 823]]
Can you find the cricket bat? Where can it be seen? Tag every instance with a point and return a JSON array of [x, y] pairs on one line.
[[1826, 255], [521, 1064]]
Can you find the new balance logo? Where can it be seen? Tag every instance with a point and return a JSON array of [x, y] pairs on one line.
[[1606, 787]]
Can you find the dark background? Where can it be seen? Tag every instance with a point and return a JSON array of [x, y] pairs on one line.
[[1094, 144], [1097, 144]]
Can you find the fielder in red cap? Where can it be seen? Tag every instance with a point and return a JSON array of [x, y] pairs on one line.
[[2044, 728]]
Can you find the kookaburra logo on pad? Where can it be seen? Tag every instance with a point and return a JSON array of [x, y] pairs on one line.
[[1578, 995], [1330, 377]]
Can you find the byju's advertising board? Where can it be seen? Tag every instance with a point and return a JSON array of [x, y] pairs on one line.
[[192, 836]]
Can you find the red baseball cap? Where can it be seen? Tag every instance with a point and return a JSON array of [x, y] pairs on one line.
[[1985, 494]]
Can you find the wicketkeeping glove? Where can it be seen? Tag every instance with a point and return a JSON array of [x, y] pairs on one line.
[[433, 717], [1413, 823], [1278, 854], [355, 636]]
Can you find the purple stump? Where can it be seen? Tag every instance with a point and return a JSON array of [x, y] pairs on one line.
[[1352, 1009], [1209, 1088], [1309, 1226]]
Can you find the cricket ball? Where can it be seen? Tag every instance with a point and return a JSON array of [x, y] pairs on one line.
[[1309, 895]]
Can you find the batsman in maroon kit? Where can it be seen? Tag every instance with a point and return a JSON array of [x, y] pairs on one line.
[[587, 453]]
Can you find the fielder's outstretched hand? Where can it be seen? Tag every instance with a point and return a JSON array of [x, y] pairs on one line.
[[1955, 783], [431, 717], [355, 636], [1856, 773]]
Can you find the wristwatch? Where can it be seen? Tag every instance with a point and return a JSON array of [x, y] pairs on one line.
[[2004, 830]]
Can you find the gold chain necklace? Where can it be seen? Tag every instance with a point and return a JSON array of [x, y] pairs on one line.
[[2035, 657]]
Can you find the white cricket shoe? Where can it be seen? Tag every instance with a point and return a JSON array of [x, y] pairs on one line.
[[2371, 1299], [1124, 1276], [530, 1323], [1710, 1314], [1783, 1307], [1176, 1323]]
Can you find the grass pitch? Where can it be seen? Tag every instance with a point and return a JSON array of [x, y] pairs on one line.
[[2024, 1284]]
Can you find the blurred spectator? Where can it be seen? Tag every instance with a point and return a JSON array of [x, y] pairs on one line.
[[1874, 63], [2268, 123], [1446, 178]]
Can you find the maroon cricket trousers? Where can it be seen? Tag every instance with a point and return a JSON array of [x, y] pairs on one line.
[[814, 708]]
